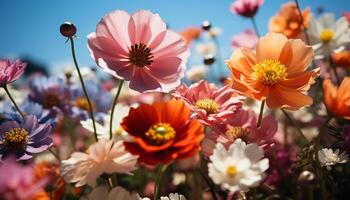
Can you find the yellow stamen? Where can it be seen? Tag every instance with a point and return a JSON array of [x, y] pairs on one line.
[[231, 170], [269, 71], [327, 35], [209, 105], [16, 137], [82, 103], [161, 133], [236, 132]]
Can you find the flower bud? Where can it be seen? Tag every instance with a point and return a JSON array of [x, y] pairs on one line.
[[307, 178], [68, 29], [209, 59], [206, 25]]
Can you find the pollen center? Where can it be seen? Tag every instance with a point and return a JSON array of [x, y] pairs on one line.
[[160, 133], [231, 170], [140, 55], [269, 71], [16, 137], [209, 105], [236, 132], [327, 35]]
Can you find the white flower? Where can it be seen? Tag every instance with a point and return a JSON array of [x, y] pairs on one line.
[[328, 35], [105, 156], [172, 196], [102, 130], [117, 193], [328, 158], [238, 168], [207, 48], [87, 73], [196, 73], [178, 178]]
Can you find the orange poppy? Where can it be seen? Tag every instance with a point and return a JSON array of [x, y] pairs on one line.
[[162, 132], [337, 100], [190, 34], [275, 71], [342, 59], [288, 21]]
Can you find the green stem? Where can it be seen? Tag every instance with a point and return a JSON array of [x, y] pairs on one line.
[[55, 155], [161, 170], [113, 107], [13, 101], [261, 113], [219, 57], [302, 22], [84, 88], [334, 68], [255, 27], [295, 125]]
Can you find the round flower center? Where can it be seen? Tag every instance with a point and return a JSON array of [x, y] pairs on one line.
[[269, 71], [83, 104], [231, 170], [51, 100], [140, 55], [236, 132], [16, 137], [209, 105], [160, 133], [327, 35]]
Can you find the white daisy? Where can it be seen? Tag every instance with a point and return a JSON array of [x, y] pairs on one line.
[[172, 196], [196, 73], [206, 48], [102, 130], [328, 158], [117, 193], [327, 34], [105, 156], [240, 167]]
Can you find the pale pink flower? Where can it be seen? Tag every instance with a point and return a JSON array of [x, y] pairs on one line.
[[246, 39], [105, 156], [10, 71], [209, 104], [242, 125], [140, 49], [246, 8]]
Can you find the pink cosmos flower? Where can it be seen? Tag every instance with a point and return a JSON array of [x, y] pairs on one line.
[[209, 104], [347, 16], [10, 71], [246, 8], [246, 39], [242, 125], [140, 49]]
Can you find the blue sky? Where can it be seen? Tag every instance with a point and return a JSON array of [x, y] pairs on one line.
[[31, 27]]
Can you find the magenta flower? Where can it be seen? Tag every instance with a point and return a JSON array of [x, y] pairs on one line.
[[18, 182], [10, 71], [246, 39], [242, 125], [209, 104], [139, 48], [246, 8]]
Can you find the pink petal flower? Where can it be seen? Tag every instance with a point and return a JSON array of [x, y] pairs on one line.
[[246, 8], [209, 104], [10, 71], [246, 39], [139, 48]]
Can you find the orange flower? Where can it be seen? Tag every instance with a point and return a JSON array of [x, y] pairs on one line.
[[288, 22], [190, 34], [342, 59], [162, 132], [275, 72], [337, 100]]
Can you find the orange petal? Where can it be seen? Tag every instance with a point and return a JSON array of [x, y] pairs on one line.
[[270, 46], [301, 81], [302, 57], [329, 95], [243, 60]]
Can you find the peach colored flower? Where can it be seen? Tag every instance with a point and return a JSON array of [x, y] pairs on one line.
[[275, 72], [342, 59], [190, 34], [241, 126], [337, 99], [140, 49], [246, 8], [288, 21], [209, 104]]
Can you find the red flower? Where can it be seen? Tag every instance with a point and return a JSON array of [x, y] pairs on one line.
[[162, 132]]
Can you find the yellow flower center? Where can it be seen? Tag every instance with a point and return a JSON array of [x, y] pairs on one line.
[[51, 100], [82, 103], [16, 137], [269, 71], [327, 35], [140, 55], [236, 132], [160, 133], [231, 170], [209, 105]]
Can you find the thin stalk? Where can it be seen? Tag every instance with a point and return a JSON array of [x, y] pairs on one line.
[[83, 86], [261, 113], [302, 22], [255, 26], [334, 68], [113, 107], [13, 101], [209, 183], [219, 57], [295, 125], [158, 181], [55, 155]]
